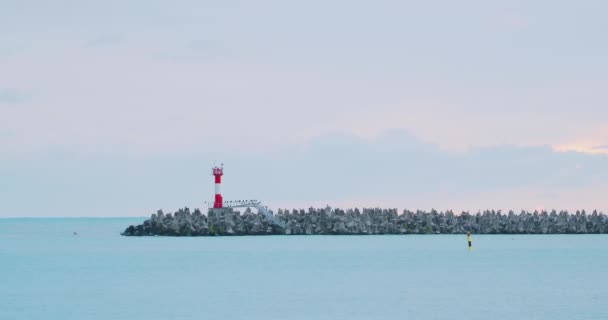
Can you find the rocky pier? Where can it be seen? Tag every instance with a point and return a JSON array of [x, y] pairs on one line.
[[328, 221]]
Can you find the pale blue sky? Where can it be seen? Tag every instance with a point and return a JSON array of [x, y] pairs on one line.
[[119, 108]]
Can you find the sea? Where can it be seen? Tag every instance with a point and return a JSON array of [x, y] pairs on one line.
[[82, 268]]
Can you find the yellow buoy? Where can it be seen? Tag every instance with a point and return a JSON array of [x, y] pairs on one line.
[[470, 241]]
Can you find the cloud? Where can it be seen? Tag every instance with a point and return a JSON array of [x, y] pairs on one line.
[[594, 141], [589, 147], [513, 20], [139, 96], [10, 96], [201, 50], [394, 169], [103, 41]]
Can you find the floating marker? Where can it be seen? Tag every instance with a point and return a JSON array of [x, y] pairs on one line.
[[470, 241]]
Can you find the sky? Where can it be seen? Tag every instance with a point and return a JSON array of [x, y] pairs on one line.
[[119, 108]]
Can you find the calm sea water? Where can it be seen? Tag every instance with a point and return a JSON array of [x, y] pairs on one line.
[[46, 272]]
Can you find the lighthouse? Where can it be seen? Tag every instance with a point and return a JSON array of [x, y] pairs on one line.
[[218, 172]]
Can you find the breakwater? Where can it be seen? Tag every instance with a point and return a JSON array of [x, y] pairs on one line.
[[327, 221]]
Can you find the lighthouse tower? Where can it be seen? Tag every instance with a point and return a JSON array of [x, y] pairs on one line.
[[218, 172]]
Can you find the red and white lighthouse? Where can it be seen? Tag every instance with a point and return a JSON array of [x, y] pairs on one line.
[[218, 172]]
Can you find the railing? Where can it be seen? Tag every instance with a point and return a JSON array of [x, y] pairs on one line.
[[261, 209]]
